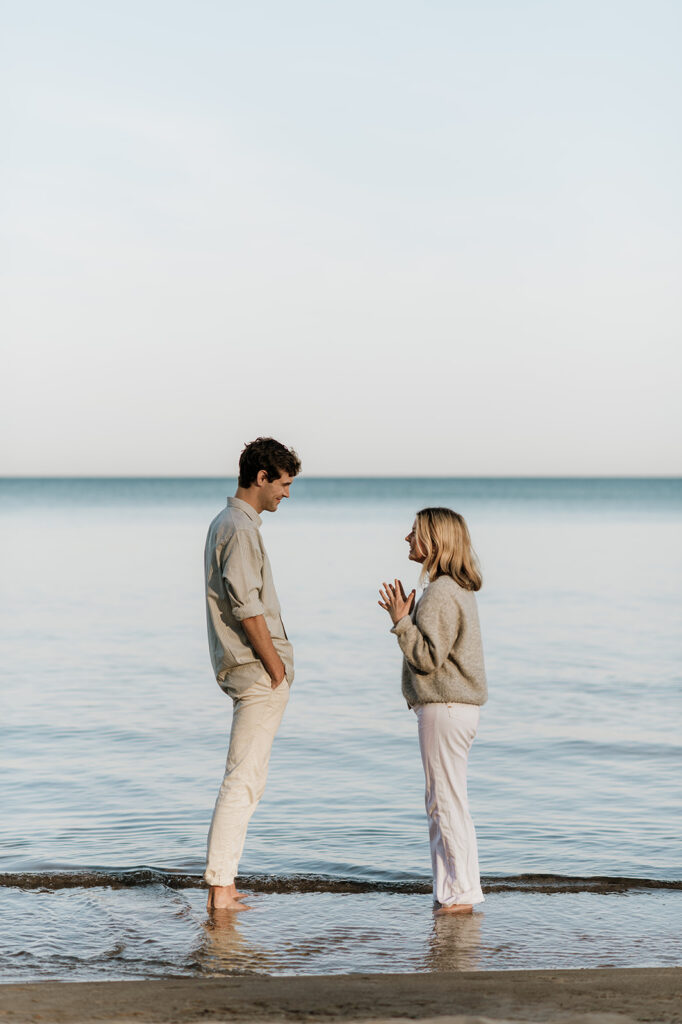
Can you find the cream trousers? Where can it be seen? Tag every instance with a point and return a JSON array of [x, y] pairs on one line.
[[255, 720], [446, 732]]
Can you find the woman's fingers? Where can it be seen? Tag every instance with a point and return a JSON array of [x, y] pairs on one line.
[[393, 595]]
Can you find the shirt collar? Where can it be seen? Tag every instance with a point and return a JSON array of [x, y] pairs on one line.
[[245, 507]]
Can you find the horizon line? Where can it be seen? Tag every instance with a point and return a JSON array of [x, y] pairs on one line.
[[369, 477]]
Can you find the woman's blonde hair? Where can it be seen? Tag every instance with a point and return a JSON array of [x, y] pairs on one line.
[[444, 537]]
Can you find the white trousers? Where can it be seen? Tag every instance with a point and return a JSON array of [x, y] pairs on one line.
[[255, 720], [446, 732]]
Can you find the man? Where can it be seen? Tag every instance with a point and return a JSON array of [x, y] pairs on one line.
[[251, 655]]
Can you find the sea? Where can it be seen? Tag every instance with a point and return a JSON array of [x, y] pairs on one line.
[[113, 733]]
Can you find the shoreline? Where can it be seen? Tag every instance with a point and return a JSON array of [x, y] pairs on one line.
[[592, 996], [540, 882]]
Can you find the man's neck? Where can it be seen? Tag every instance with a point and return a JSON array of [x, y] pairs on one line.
[[250, 496]]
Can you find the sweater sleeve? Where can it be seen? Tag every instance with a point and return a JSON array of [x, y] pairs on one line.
[[428, 640]]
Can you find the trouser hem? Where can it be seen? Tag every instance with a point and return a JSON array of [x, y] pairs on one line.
[[212, 878], [466, 898]]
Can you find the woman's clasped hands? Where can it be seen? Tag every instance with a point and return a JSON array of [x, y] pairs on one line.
[[395, 601]]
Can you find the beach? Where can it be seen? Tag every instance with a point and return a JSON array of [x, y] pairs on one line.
[[583, 997], [113, 736], [341, 514]]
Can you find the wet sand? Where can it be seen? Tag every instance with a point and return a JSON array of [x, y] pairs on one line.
[[603, 996]]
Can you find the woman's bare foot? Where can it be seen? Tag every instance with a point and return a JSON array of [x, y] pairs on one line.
[[455, 908], [225, 897]]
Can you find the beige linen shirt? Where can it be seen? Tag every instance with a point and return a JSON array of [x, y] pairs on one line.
[[239, 585]]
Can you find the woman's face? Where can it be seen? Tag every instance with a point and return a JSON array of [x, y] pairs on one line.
[[416, 554]]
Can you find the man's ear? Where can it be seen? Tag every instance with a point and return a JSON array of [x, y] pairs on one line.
[[262, 477]]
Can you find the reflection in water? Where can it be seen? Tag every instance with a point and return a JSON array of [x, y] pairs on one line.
[[224, 950], [104, 933], [455, 943]]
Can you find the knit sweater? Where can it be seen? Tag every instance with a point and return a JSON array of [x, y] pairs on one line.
[[441, 644]]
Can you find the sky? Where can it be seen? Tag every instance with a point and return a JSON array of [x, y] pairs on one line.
[[406, 238]]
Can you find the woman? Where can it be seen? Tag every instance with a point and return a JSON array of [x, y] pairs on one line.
[[444, 682]]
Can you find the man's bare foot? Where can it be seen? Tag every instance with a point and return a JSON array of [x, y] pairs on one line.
[[455, 908], [225, 897], [225, 913]]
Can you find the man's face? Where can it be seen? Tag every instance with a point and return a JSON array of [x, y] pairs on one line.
[[271, 493]]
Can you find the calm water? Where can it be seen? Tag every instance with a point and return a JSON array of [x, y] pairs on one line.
[[113, 731]]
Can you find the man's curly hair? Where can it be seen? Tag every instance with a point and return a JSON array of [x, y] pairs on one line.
[[268, 454]]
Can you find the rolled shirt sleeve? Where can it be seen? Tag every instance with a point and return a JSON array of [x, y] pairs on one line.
[[242, 567], [427, 642]]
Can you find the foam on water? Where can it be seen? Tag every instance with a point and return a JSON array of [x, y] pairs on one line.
[[132, 878]]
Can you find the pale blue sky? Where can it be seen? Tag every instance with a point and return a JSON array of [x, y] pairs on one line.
[[438, 238]]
